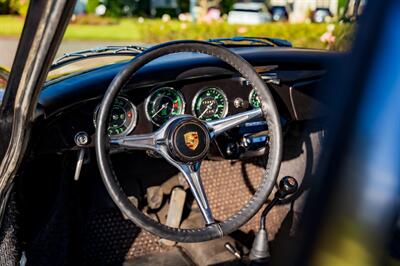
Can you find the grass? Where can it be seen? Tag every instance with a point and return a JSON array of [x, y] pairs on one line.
[[155, 31]]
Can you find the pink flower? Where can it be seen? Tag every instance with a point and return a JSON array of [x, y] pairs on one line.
[[212, 15], [328, 38]]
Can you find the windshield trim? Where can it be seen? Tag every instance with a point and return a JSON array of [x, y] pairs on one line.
[[129, 50], [76, 59], [79, 72]]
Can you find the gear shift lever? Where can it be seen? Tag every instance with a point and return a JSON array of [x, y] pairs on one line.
[[287, 186], [260, 250]]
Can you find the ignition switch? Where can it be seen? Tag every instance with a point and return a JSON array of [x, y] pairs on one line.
[[245, 143], [82, 139]]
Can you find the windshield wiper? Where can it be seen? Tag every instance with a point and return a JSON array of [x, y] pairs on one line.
[[239, 40], [128, 50]]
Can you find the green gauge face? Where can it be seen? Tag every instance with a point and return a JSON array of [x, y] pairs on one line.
[[163, 104], [123, 117], [210, 104], [254, 99]]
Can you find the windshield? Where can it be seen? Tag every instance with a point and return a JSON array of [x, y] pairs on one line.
[[146, 23], [79, 61], [83, 65]]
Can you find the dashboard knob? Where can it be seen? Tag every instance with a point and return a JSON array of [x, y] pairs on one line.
[[231, 149], [238, 103], [81, 139]]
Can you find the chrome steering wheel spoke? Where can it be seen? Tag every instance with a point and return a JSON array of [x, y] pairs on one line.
[[191, 172], [155, 141], [151, 141], [221, 125]]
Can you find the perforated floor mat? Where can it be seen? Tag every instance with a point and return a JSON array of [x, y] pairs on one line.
[[113, 239]]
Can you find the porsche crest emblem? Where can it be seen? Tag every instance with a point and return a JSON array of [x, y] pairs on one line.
[[191, 140]]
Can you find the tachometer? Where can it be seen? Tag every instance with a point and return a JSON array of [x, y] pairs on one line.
[[163, 104], [254, 99], [210, 104], [123, 117]]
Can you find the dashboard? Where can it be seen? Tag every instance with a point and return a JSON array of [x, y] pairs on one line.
[[184, 84]]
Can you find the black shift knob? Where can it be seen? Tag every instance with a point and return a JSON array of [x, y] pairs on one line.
[[287, 186]]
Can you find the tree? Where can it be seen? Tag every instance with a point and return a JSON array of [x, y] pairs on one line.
[[91, 6], [119, 8], [14, 7]]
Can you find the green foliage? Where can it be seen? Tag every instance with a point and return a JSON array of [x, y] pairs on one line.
[[164, 10], [226, 6], [154, 31], [342, 3], [91, 6], [301, 35], [14, 7], [116, 8], [342, 7], [143, 6], [344, 37], [23, 9], [184, 5], [91, 19]]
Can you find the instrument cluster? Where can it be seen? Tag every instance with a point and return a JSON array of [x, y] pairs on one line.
[[208, 104]]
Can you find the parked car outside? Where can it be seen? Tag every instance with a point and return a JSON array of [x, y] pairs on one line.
[[279, 13], [320, 15], [249, 13]]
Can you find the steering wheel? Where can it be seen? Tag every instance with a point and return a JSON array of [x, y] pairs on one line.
[[169, 142]]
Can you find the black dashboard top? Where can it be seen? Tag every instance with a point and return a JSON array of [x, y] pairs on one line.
[[290, 64]]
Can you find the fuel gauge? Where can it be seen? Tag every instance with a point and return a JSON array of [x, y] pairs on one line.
[[254, 99]]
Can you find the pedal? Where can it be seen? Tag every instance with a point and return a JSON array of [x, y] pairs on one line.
[[154, 197], [175, 210], [228, 246]]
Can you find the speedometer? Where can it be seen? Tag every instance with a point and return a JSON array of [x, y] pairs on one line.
[[210, 104], [123, 117], [163, 104]]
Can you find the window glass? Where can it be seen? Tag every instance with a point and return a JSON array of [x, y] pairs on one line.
[[100, 23]]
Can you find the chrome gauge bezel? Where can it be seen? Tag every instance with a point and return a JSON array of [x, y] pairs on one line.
[[131, 126], [226, 109], [147, 102], [250, 95]]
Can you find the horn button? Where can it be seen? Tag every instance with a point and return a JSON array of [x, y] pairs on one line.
[[189, 140]]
